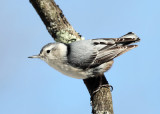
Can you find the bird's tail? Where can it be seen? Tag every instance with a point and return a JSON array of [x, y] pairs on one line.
[[127, 39]]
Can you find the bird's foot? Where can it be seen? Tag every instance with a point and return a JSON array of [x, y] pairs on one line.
[[104, 85]]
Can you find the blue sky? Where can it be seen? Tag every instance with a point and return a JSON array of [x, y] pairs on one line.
[[30, 86]]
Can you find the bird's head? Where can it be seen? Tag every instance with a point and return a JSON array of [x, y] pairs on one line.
[[50, 52]]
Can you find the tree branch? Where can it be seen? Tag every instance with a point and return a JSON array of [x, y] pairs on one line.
[[101, 98], [60, 29], [56, 23]]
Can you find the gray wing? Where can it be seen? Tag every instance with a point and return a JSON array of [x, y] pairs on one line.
[[81, 53], [92, 53]]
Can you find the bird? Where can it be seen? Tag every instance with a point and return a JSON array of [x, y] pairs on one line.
[[86, 58]]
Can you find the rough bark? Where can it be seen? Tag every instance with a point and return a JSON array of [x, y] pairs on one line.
[[101, 98], [56, 23], [60, 29]]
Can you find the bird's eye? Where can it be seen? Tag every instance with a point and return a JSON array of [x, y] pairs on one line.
[[48, 51]]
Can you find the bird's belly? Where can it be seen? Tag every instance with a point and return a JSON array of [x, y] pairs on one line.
[[70, 71]]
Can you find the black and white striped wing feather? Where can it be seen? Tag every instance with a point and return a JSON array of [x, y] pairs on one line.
[[113, 47], [92, 53]]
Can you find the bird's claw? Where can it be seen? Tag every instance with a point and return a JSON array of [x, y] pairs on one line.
[[105, 85]]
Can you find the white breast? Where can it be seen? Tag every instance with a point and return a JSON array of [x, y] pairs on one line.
[[69, 70]]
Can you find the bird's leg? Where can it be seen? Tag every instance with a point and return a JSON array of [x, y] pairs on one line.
[[94, 84], [102, 83], [110, 86]]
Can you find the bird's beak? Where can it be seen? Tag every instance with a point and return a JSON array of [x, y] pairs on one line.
[[35, 56]]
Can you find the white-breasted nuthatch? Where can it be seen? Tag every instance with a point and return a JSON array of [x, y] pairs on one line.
[[86, 58]]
